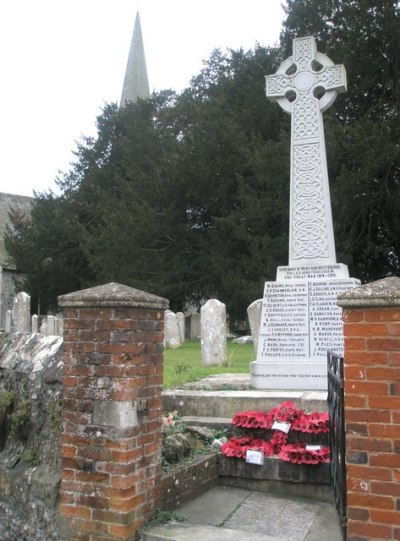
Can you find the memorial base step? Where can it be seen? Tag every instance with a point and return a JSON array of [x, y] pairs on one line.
[[225, 404], [276, 476]]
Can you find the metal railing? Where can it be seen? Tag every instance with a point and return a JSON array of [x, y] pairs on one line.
[[337, 436]]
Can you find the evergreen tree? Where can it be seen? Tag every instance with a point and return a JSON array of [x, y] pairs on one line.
[[47, 249], [184, 196], [234, 167], [363, 128], [187, 196]]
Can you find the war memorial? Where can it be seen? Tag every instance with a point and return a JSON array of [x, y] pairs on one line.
[[300, 320]]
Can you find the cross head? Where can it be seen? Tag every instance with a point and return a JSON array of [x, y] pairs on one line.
[[305, 85]]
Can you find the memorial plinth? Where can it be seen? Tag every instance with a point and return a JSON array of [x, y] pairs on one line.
[[300, 320]]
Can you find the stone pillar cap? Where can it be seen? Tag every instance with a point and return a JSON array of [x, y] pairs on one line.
[[382, 294], [112, 294]]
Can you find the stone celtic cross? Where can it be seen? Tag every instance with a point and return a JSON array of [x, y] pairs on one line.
[[305, 85]]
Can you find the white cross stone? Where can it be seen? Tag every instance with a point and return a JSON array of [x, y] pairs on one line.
[[305, 85]]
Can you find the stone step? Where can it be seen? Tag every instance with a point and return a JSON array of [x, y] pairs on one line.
[[192, 532], [236, 472], [224, 404], [220, 382], [221, 423], [226, 513]]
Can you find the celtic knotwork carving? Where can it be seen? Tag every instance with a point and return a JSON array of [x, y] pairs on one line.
[[305, 117], [310, 239], [311, 230], [303, 52], [278, 85], [330, 77]]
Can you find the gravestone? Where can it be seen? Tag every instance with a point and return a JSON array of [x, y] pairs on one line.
[[34, 323], [213, 332], [51, 326], [300, 320], [254, 317], [171, 330], [21, 313], [59, 324], [180, 319], [43, 328], [194, 326]]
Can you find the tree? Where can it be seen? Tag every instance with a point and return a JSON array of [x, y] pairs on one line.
[[234, 170], [184, 196], [363, 128], [46, 248], [138, 234]]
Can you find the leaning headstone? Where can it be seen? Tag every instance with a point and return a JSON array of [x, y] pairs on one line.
[[34, 323], [300, 319], [254, 317], [180, 318], [171, 330], [21, 312], [8, 321], [213, 332], [194, 332]]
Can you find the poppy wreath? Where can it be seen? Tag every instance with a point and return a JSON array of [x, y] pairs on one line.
[[287, 412], [238, 447], [296, 453]]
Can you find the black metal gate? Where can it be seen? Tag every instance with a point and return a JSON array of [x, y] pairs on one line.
[[337, 436]]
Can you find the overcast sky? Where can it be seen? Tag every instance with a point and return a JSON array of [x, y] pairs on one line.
[[62, 60]]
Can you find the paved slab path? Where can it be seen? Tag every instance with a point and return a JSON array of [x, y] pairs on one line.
[[236, 513]]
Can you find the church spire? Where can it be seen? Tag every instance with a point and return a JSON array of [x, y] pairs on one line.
[[136, 84]]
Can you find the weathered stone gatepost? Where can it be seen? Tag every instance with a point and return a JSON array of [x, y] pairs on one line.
[[111, 411], [371, 316]]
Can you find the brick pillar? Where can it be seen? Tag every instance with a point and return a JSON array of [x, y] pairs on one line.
[[371, 316], [111, 411]]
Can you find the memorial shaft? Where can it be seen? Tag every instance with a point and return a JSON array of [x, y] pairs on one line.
[[300, 320], [305, 85]]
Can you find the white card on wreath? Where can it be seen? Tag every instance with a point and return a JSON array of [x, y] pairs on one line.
[[254, 457], [283, 427]]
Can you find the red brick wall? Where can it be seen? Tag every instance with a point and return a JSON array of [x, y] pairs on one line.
[[372, 414], [111, 453]]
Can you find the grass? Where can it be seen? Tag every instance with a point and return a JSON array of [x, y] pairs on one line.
[[184, 365]]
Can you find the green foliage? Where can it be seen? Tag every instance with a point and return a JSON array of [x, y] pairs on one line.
[[55, 416], [189, 355], [187, 196], [30, 456], [181, 196], [363, 126], [6, 401], [162, 517], [6, 404], [47, 248], [20, 420]]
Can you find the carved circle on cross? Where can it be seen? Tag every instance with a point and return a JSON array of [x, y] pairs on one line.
[[304, 80]]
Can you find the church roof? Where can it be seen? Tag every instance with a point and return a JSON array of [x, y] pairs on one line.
[[136, 84]]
